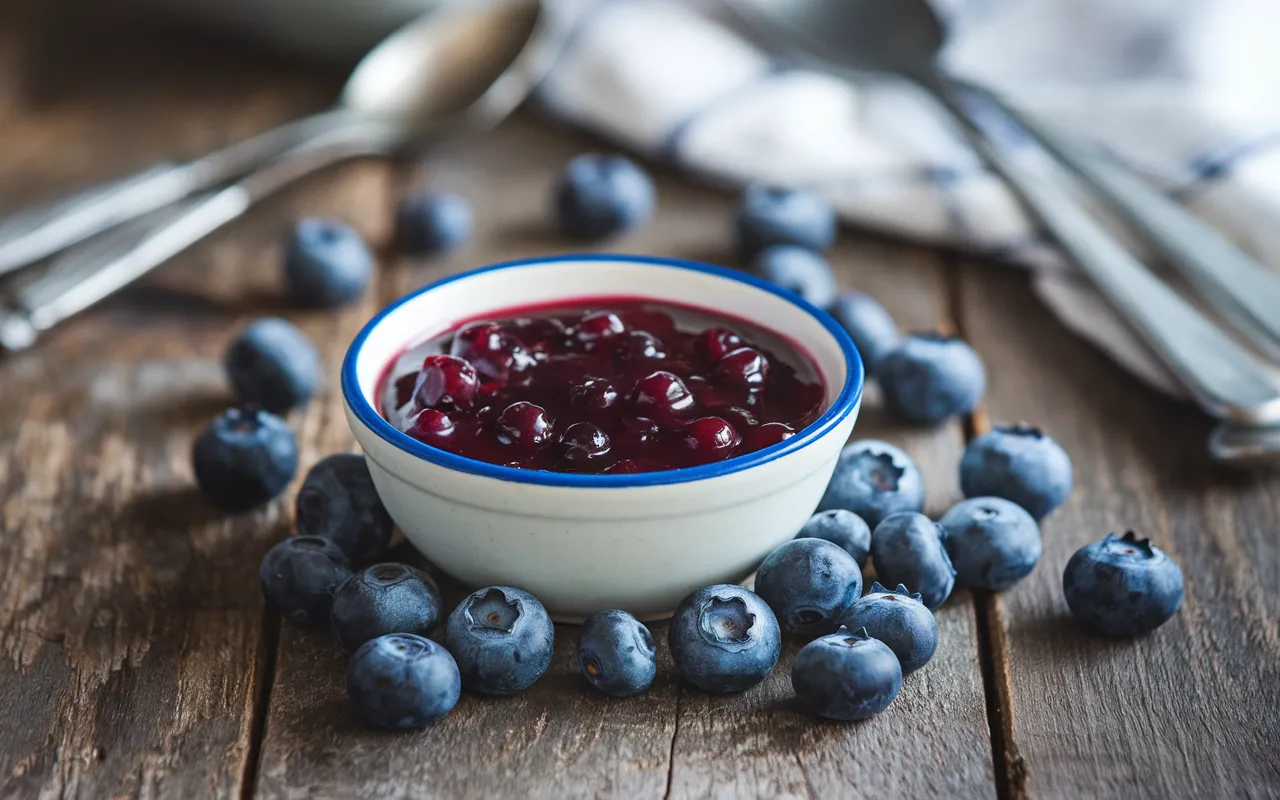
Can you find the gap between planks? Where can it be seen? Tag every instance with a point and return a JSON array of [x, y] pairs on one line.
[[1009, 767]]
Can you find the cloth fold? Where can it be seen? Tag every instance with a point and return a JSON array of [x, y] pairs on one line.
[[1181, 90]]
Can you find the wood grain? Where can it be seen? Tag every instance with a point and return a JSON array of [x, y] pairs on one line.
[[561, 740], [1190, 710], [130, 619]]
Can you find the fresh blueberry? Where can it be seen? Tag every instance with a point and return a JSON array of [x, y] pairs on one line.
[[326, 263], [899, 619], [1018, 463], [809, 584], [771, 215], [874, 479], [869, 325], [801, 271], [502, 639], [993, 543], [382, 599], [724, 639], [616, 653], [430, 222], [244, 458], [299, 577], [1122, 586], [846, 676], [402, 681], [841, 527], [273, 365], [339, 502], [930, 377], [598, 196], [907, 549]]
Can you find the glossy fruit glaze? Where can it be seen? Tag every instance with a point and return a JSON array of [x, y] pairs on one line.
[[604, 385]]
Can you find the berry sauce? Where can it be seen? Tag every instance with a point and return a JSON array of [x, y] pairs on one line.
[[609, 385]]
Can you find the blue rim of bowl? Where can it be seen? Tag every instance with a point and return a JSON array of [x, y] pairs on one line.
[[845, 403]]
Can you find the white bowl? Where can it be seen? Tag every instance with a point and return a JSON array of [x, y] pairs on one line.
[[582, 543]]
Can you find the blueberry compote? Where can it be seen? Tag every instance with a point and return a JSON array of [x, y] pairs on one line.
[[606, 386]]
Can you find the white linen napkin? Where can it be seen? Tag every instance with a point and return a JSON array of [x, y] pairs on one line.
[[1185, 91]]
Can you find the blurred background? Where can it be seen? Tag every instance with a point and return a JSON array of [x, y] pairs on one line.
[[1178, 91]]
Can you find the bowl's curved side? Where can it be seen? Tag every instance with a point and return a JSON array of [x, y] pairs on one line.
[[580, 550]]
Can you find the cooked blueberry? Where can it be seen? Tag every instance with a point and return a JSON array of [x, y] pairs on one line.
[[899, 619], [434, 427], [326, 263], [541, 334], [930, 377], [596, 398], [724, 639], [494, 352], [801, 271], [639, 346], [402, 681], [770, 215], [769, 434], [598, 196], [244, 458], [636, 432], [907, 548], [598, 326], [299, 577], [502, 640], [744, 368], [709, 439], [868, 324], [525, 425], [874, 479], [846, 676], [716, 343], [382, 599], [585, 446], [433, 222], [338, 502], [663, 397], [843, 528], [632, 466], [616, 653], [447, 383], [809, 584], [273, 365], [993, 543], [1122, 586], [1018, 463]]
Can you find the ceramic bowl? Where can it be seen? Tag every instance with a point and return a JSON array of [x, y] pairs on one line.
[[582, 543]]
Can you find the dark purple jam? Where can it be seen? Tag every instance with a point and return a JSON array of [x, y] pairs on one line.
[[603, 386]]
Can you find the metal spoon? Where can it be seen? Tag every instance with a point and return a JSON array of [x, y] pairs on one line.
[[902, 37], [473, 69], [453, 64]]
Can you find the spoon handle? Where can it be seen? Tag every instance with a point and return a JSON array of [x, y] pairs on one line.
[[32, 235], [1227, 381], [1245, 293], [84, 277]]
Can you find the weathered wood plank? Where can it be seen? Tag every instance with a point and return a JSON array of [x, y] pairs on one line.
[[130, 619], [1190, 710], [933, 741], [561, 740]]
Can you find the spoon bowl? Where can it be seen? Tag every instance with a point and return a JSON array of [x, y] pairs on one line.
[[444, 64]]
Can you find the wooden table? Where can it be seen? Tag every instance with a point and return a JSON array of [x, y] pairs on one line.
[[136, 658]]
